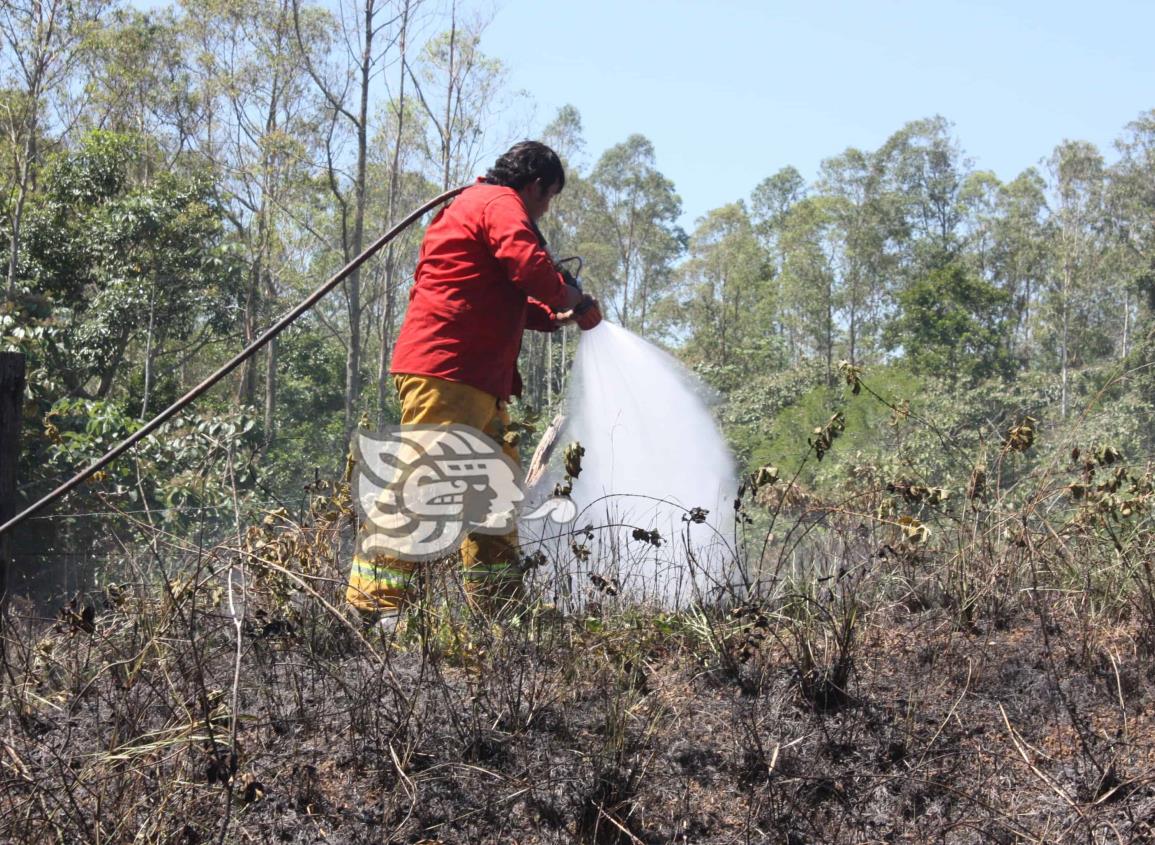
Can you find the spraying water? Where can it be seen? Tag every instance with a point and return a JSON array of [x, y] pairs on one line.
[[653, 454]]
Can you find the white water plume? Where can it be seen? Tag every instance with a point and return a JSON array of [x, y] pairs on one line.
[[653, 454]]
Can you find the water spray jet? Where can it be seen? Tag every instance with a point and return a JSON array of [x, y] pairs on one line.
[[655, 493]]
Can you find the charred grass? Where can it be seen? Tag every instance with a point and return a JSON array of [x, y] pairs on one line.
[[136, 722]]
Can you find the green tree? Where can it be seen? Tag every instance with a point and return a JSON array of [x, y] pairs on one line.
[[868, 231], [1018, 254], [43, 42], [808, 239], [546, 356], [1131, 199], [131, 272], [137, 80], [261, 133], [772, 198], [399, 135], [634, 218], [925, 168], [1076, 298], [460, 90], [726, 300], [950, 325], [360, 47]]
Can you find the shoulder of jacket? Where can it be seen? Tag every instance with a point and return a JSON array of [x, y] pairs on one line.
[[498, 194], [501, 208]]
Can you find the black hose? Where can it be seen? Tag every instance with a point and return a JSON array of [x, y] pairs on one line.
[[270, 333]]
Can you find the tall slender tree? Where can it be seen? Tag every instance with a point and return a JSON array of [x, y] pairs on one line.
[[635, 219], [1077, 249]]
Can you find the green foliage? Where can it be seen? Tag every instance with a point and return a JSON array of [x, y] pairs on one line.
[[191, 464], [311, 396], [123, 264], [311, 377], [866, 436], [752, 405], [951, 325], [726, 300], [632, 226]]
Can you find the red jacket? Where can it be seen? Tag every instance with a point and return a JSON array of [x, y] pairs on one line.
[[482, 278]]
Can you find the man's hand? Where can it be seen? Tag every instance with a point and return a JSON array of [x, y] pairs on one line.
[[588, 313]]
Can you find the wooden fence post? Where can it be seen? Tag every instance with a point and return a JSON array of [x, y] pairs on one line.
[[11, 413]]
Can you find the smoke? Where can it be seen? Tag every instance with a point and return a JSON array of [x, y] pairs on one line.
[[653, 454]]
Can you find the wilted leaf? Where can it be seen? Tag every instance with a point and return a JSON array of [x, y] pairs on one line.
[[765, 475], [1022, 436], [574, 453]]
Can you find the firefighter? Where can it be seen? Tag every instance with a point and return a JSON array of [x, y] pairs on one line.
[[483, 277]]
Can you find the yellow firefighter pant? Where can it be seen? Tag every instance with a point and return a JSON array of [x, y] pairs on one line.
[[491, 564]]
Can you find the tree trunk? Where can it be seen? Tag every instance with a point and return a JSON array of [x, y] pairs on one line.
[[830, 342], [549, 369], [353, 249], [148, 356], [270, 393], [853, 335], [270, 371], [247, 383], [390, 256], [447, 134], [386, 354], [18, 215], [11, 401], [1064, 339]]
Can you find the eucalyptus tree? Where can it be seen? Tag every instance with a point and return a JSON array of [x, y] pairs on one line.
[[725, 296], [811, 250], [262, 128], [1132, 215], [565, 135], [136, 80], [770, 202], [364, 37], [979, 199], [869, 230], [925, 168], [773, 198], [634, 217], [461, 90], [1131, 199], [1018, 253], [400, 134], [1075, 297], [546, 355], [770, 205]]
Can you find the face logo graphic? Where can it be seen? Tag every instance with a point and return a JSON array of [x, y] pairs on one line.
[[422, 488]]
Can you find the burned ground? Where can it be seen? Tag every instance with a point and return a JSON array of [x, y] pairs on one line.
[[614, 726]]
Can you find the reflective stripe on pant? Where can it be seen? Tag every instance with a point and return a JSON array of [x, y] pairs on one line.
[[492, 564]]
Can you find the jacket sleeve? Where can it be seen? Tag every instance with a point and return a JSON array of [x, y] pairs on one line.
[[538, 317], [516, 247]]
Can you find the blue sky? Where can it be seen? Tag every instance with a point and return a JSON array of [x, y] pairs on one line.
[[730, 91]]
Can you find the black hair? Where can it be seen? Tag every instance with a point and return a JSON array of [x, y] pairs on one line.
[[524, 163]]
